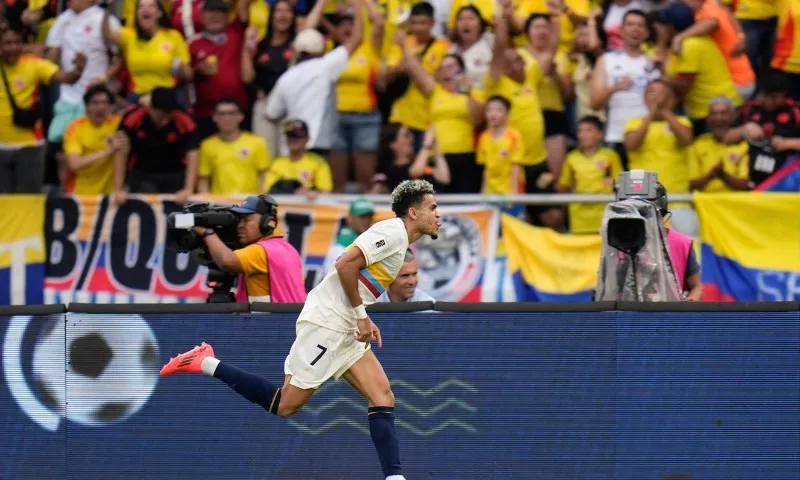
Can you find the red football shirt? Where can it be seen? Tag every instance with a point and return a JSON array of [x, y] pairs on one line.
[[227, 48]]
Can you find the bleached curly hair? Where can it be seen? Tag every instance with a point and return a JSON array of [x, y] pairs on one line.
[[410, 193]]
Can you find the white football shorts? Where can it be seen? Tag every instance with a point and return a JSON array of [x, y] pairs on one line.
[[319, 353]]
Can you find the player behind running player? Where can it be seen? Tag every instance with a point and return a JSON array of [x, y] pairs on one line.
[[334, 330]]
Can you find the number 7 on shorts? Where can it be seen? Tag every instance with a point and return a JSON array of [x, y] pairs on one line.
[[321, 353]]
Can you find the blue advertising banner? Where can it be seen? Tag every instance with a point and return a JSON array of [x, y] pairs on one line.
[[615, 395]]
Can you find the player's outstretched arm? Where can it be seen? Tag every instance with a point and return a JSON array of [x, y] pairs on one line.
[[348, 266]]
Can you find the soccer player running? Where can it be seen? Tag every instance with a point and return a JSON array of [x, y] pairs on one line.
[[334, 331]]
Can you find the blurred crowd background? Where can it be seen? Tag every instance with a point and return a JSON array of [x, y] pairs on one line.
[[483, 96]]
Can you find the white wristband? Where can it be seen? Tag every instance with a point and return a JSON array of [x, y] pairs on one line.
[[361, 311]]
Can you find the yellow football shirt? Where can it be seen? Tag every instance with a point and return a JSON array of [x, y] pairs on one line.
[[526, 114], [83, 137], [754, 9], [25, 77], [660, 153], [150, 61], [234, 167], [498, 155], [702, 58], [706, 152], [412, 109], [255, 269], [355, 89], [549, 93], [311, 171], [451, 120], [589, 174]]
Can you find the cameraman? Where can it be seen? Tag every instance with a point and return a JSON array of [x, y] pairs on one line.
[[270, 268], [681, 251]]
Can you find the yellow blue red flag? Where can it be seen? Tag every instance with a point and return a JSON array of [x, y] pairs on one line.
[[750, 246], [547, 266], [22, 249]]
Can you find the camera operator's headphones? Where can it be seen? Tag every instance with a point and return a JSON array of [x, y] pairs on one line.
[[661, 200], [268, 208]]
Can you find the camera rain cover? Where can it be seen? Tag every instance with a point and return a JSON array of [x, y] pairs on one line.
[[635, 263]]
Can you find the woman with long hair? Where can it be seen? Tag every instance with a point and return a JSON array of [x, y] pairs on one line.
[[264, 62], [473, 42], [397, 157], [555, 88], [155, 54], [455, 110]]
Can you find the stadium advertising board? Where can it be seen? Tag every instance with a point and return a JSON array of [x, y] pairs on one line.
[[527, 396], [101, 253]]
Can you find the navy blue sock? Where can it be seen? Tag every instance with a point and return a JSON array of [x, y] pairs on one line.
[[384, 436], [250, 386]]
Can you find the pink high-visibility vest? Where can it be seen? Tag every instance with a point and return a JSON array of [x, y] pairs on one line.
[[285, 270], [679, 247]]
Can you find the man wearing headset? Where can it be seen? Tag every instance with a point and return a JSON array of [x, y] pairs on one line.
[[681, 251], [270, 268]]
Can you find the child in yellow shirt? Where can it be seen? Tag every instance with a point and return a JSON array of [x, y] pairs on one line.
[[500, 150], [590, 168]]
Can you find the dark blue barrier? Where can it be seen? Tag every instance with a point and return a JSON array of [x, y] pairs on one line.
[[589, 395]]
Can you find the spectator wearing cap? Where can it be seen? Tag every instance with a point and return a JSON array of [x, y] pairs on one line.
[[699, 73], [770, 124], [216, 60], [75, 30], [357, 139], [307, 90], [90, 145], [404, 287], [360, 217], [232, 161], [22, 149], [270, 268], [159, 153], [715, 166], [301, 172], [263, 62], [155, 55]]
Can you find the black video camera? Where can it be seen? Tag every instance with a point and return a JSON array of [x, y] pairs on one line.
[[182, 237]]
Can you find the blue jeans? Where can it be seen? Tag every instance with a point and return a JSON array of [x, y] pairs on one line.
[[760, 35]]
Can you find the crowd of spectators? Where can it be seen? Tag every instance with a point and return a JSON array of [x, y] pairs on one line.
[[492, 96]]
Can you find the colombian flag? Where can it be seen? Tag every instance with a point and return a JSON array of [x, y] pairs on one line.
[[750, 246], [548, 266], [22, 249]]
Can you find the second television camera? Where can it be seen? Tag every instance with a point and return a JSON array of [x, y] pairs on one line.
[[635, 263], [182, 237]]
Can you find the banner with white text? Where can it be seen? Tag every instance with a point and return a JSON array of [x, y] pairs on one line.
[[104, 253]]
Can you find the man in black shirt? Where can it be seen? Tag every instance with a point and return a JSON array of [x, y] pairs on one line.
[[160, 149], [770, 124]]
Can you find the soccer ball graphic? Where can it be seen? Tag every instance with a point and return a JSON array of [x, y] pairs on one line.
[[112, 368]]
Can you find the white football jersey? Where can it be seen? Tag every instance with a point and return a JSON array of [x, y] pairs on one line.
[[384, 246]]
